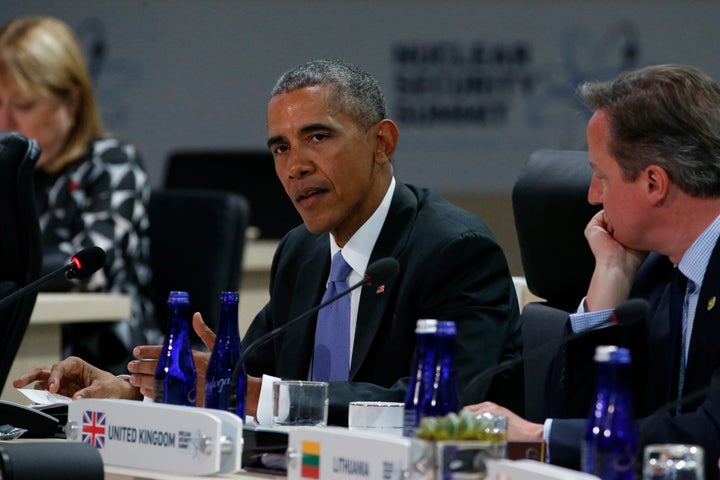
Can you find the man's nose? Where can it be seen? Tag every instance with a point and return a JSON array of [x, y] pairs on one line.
[[299, 165], [594, 194]]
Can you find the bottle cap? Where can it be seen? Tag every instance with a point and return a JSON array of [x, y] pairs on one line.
[[612, 353], [621, 355], [178, 297], [602, 352], [426, 325], [229, 296], [446, 328]]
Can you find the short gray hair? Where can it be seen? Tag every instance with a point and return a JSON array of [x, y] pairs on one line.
[[354, 91]]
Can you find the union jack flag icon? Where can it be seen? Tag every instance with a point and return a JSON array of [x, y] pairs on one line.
[[93, 428]]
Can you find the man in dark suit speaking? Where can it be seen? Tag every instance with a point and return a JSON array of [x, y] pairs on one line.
[[332, 144], [654, 146]]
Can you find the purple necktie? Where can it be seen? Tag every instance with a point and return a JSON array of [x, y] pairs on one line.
[[331, 358]]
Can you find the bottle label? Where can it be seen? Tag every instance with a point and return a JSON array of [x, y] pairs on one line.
[[608, 464], [175, 392], [217, 392]]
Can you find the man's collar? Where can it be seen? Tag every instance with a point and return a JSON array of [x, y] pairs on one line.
[[358, 248]]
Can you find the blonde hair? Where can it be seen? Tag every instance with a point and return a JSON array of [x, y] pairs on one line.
[[42, 56]]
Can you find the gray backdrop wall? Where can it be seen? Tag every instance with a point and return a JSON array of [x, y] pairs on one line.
[[475, 86]]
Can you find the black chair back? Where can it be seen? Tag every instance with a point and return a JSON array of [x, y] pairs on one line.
[[249, 173], [197, 240], [551, 212], [20, 247]]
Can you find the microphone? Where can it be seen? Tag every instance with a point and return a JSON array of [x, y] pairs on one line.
[[82, 265], [378, 272], [627, 313]]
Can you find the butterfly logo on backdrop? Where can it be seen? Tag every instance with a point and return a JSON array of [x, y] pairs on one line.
[[582, 57]]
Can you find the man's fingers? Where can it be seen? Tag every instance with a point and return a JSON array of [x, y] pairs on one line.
[[143, 367], [143, 352], [57, 372], [203, 331], [35, 374], [145, 382]]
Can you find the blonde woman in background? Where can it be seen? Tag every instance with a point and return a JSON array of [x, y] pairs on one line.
[[91, 187]]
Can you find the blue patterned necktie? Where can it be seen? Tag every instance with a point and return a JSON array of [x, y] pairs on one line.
[[331, 357], [678, 285]]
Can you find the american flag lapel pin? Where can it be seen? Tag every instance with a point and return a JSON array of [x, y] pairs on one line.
[[711, 303], [380, 289]]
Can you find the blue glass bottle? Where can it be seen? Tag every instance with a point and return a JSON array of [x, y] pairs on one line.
[[443, 396], [421, 374], [225, 354], [175, 377], [610, 443]]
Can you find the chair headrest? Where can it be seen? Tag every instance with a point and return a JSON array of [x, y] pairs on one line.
[[551, 212]]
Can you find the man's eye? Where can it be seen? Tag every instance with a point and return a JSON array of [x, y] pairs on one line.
[[319, 136], [279, 149]]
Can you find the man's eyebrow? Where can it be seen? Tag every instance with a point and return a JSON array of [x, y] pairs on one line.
[[273, 140], [313, 127]]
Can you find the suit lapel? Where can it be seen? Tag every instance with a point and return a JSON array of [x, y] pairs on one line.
[[375, 299]]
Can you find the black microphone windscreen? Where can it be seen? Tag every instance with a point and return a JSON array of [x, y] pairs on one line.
[[630, 311], [86, 262], [382, 270]]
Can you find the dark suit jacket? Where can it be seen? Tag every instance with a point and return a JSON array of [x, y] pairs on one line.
[[653, 348], [450, 269]]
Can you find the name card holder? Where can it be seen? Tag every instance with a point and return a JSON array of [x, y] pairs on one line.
[[159, 437]]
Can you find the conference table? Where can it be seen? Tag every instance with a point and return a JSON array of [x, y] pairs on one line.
[[42, 343]]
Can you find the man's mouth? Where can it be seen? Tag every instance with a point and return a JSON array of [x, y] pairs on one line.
[[307, 194]]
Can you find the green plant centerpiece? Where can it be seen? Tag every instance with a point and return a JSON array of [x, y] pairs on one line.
[[460, 443]]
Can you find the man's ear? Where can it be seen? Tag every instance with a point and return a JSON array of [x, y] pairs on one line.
[[658, 183], [386, 140]]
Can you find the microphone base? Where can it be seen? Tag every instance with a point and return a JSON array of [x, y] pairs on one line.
[[261, 446]]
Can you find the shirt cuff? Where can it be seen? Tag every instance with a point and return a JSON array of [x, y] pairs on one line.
[[582, 320], [547, 426]]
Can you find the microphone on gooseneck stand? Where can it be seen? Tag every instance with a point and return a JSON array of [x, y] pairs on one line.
[[82, 265], [627, 313], [378, 272]]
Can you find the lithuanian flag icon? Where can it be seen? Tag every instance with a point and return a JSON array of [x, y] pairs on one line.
[[310, 460]]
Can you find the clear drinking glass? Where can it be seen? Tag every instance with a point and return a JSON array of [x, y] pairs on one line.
[[673, 462], [299, 403]]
